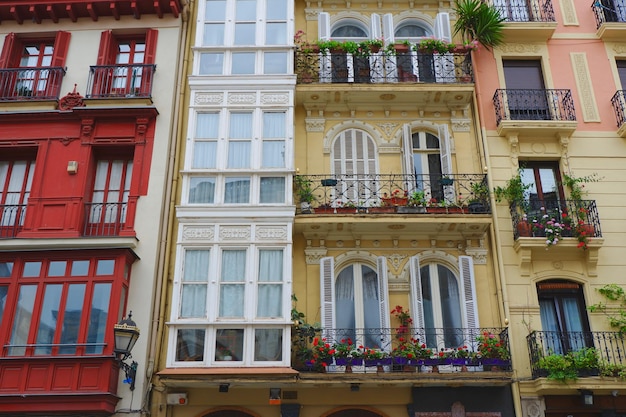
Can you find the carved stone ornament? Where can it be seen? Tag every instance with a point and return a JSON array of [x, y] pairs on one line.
[[271, 233], [315, 124], [71, 100], [235, 232], [198, 232], [209, 98]]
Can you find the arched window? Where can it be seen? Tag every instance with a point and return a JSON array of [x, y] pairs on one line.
[[443, 302], [354, 159], [355, 302], [412, 31], [348, 30]]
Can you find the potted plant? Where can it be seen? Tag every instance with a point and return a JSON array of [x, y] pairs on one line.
[[434, 45], [480, 21], [381, 208], [514, 191], [478, 202], [398, 198], [583, 230], [492, 351], [416, 203], [304, 193]]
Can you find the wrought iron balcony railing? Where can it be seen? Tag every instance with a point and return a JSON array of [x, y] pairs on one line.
[[104, 219], [457, 193], [532, 11], [476, 348], [608, 12], [42, 83], [534, 105], [11, 219], [610, 348], [110, 81], [570, 213], [619, 107], [380, 67]]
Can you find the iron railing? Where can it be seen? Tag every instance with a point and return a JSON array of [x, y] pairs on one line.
[[534, 105], [532, 11], [380, 67], [608, 12], [609, 346], [104, 219], [619, 107], [110, 81], [11, 219], [366, 192], [43, 83], [567, 212], [441, 342]]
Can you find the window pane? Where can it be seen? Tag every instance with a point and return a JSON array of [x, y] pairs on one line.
[[22, 320], [71, 318], [207, 125], [268, 345], [276, 10], [229, 341], [57, 268], [215, 10], [233, 266], [240, 126], [275, 63], [48, 318], [204, 154], [190, 345], [196, 265], [211, 64], [273, 154], [244, 33], [4, 289], [32, 269], [237, 191], [238, 154], [272, 190], [245, 10], [193, 300], [80, 268], [270, 296], [98, 317], [243, 63], [274, 125], [271, 265], [105, 267], [276, 34], [213, 34], [201, 190], [6, 269], [232, 295]]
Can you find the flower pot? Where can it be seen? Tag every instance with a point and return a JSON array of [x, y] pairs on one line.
[[348, 369], [395, 201], [436, 210], [588, 230], [400, 360], [381, 210], [459, 361], [411, 210], [401, 48], [341, 361], [523, 229], [356, 361]]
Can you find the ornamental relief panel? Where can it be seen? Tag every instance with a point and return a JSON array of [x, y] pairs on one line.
[[208, 99], [235, 232], [241, 98], [198, 232], [274, 98], [271, 233]]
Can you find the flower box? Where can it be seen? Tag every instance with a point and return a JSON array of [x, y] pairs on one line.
[[411, 210], [399, 360], [495, 362], [395, 201], [458, 361]]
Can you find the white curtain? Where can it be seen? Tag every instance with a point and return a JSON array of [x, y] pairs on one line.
[[232, 283], [268, 344], [273, 154], [450, 306], [272, 190], [204, 153], [193, 297], [201, 190], [237, 190], [371, 306], [574, 323], [270, 295], [239, 154], [239, 150], [549, 323]]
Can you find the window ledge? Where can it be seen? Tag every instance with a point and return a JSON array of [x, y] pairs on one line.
[[535, 249]]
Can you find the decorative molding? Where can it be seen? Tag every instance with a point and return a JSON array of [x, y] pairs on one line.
[[71, 100], [585, 87], [520, 48], [235, 232], [388, 128], [315, 124], [198, 232], [311, 14], [619, 48], [568, 11], [274, 98], [533, 407], [313, 256], [460, 125], [479, 255], [396, 260], [241, 98], [208, 98], [271, 233]]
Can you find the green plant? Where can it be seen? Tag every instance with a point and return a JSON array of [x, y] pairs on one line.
[[613, 370], [480, 191], [585, 359], [327, 45], [304, 189], [558, 367], [490, 346], [480, 21], [576, 185], [434, 45], [302, 335], [417, 199], [365, 48], [514, 191], [344, 349], [615, 294]]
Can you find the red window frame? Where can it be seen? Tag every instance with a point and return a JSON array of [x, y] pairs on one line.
[[12, 214], [13, 304]]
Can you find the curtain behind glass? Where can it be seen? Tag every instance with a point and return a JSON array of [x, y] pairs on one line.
[[371, 306], [193, 297], [344, 302], [237, 190], [270, 295], [273, 154], [427, 303], [450, 307], [272, 190], [201, 190], [268, 344], [549, 323], [574, 323], [232, 283]]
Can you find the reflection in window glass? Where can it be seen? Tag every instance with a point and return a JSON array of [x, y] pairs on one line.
[[201, 190], [190, 345], [32, 269], [272, 190], [275, 63], [243, 63], [213, 34], [80, 268], [22, 320], [229, 345], [57, 268], [71, 318], [6, 269], [3, 299], [211, 63], [276, 9], [98, 318], [105, 267], [244, 33], [237, 190], [268, 345], [276, 34], [48, 319], [215, 10]]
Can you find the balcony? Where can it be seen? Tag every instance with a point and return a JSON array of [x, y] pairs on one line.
[[618, 101], [11, 219], [527, 21], [121, 81], [534, 112], [449, 352], [609, 349], [31, 84], [610, 20]]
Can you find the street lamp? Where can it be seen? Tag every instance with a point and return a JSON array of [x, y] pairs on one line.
[[126, 334]]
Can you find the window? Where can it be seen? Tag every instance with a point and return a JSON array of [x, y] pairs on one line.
[[354, 158], [525, 90], [60, 306], [443, 302], [621, 70], [563, 316], [355, 300], [16, 177], [513, 10], [242, 310], [544, 179], [427, 159]]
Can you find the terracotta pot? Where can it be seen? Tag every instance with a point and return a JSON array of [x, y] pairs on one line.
[[588, 229], [524, 229]]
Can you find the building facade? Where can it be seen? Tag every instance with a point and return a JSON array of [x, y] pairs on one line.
[[86, 122]]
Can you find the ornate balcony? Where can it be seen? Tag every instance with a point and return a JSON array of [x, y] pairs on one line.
[[380, 67], [29, 84], [533, 112], [11, 219], [609, 347], [618, 101], [395, 194], [610, 19], [425, 351], [525, 21], [121, 81]]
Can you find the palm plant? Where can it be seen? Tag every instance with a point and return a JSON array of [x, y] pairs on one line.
[[478, 20]]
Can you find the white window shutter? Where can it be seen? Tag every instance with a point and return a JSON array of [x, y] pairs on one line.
[[388, 30], [442, 27], [417, 305], [327, 294], [466, 266], [446, 160], [323, 26], [375, 30], [383, 297], [407, 149]]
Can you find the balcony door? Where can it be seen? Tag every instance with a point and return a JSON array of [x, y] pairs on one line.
[[513, 10], [525, 90], [545, 189], [16, 178]]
